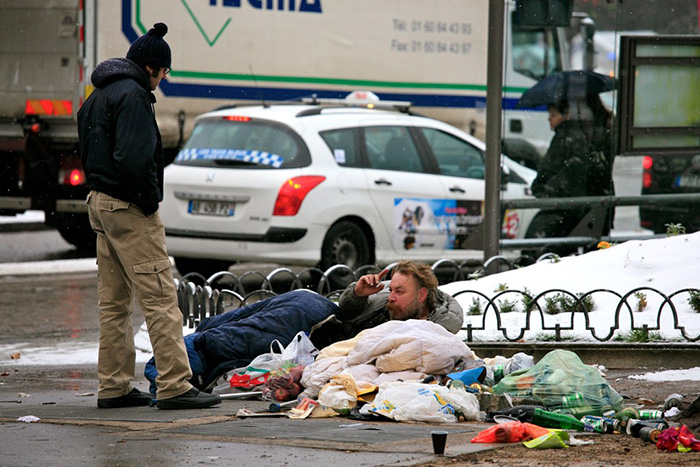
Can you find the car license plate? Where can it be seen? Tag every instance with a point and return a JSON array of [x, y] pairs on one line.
[[689, 180], [211, 208]]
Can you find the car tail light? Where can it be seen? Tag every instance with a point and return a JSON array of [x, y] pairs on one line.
[[293, 192], [647, 163], [235, 118]]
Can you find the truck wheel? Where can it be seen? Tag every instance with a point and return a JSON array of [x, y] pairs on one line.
[[75, 229], [206, 267], [347, 244]]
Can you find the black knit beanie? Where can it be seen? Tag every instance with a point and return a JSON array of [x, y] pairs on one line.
[[151, 49]]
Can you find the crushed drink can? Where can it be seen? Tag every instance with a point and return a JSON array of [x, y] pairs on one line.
[[673, 400], [650, 414], [634, 426], [572, 400], [649, 434], [602, 424]]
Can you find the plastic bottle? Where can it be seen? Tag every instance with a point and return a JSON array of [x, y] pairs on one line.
[[559, 420]]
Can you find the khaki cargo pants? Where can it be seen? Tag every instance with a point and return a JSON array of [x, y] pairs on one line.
[[132, 260]]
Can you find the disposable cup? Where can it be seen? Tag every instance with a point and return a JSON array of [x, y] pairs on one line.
[[439, 440]]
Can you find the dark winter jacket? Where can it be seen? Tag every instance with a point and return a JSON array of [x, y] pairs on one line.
[[564, 170], [120, 144], [578, 163]]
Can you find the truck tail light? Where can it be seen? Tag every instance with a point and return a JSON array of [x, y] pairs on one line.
[[293, 192], [71, 172], [647, 164]]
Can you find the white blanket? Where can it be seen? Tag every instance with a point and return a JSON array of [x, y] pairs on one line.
[[406, 350]]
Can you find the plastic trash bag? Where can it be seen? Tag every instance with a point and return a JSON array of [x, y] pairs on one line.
[[679, 439], [432, 403], [499, 366], [340, 393], [299, 353], [300, 350], [562, 383], [546, 441], [510, 432], [283, 383]]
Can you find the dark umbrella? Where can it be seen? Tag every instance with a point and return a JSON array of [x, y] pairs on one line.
[[566, 86]]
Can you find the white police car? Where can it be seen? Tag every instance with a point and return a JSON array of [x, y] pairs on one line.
[[315, 184]]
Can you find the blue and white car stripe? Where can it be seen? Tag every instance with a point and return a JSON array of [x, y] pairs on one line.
[[256, 157]]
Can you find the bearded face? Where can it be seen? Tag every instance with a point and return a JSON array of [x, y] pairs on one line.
[[407, 298]]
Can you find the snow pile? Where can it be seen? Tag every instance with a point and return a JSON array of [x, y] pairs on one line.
[[667, 265]]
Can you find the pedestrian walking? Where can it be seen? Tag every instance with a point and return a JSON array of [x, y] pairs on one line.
[[122, 155]]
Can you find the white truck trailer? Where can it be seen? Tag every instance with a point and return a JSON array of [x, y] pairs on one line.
[[429, 52]]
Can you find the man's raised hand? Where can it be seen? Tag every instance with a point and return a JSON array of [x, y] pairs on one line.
[[370, 284]]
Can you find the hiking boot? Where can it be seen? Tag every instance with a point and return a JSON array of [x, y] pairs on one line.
[[135, 398], [192, 399]]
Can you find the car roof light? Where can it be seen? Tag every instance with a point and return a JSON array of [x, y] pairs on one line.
[[293, 192], [236, 118]]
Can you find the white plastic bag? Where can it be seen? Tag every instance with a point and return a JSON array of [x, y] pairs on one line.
[[340, 393], [432, 403], [300, 350]]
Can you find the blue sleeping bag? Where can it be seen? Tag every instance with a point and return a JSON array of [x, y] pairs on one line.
[[231, 340]]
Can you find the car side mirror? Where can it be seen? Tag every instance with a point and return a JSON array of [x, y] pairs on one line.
[[505, 177]]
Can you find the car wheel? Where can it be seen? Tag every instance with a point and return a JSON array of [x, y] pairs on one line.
[[347, 244], [205, 267], [75, 229]]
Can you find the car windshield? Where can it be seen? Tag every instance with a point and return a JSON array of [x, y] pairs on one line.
[[243, 143]]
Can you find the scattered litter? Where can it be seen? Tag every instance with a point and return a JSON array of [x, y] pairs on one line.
[[678, 438], [28, 419], [244, 413], [561, 382], [673, 400], [23, 394], [4, 373], [510, 432], [578, 442], [546, 441], [672, 412], [645, 401], [84, 394], [11, 401], [15, 356], [48, 403]]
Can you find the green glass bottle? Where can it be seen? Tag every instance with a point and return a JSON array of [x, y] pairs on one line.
[[548, 419]]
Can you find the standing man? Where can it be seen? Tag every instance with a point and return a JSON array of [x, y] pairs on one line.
[[412, 293], [122, 156]]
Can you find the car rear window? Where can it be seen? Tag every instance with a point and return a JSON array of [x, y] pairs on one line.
[[243, 143]]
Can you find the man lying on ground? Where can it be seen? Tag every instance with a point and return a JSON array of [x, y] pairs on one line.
[[412, 293]]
